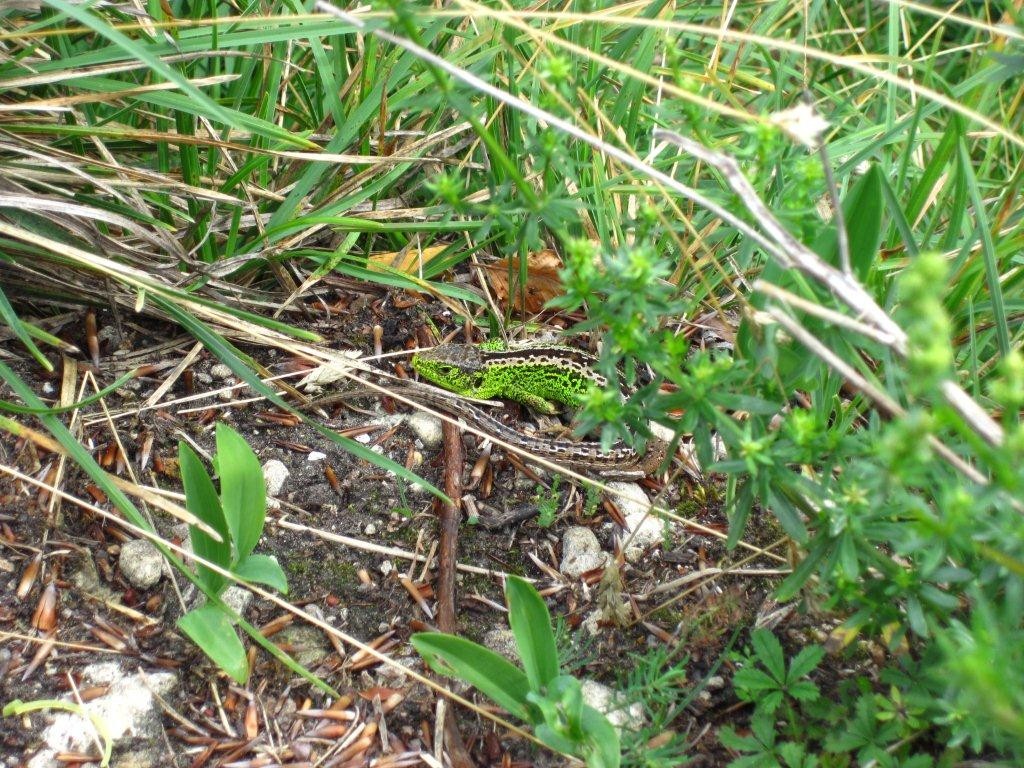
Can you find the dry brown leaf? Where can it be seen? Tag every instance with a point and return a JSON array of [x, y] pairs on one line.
[[407, 260], [542, 281]]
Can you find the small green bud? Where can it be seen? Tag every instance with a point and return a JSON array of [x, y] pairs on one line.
[[1008, 388], [556, 69], [447, 188]]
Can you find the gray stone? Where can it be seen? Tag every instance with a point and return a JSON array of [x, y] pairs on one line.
[[581, 552], [274, 475], [308, 644], [236, 598], [591, 625], [607, 700], [221, 371], [427, 428], [644, 529], [127, 710], [504, 642], [141, 563]]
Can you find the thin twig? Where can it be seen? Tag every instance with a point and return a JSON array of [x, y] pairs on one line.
[[824, 313], [449, 524]]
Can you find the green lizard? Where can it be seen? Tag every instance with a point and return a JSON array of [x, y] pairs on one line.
[[533, 374], [536, 375]]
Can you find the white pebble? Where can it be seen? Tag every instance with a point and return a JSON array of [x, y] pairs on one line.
[[221, 371], [274, 475]]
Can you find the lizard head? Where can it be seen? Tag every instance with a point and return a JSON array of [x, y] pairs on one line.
[[456, 367]]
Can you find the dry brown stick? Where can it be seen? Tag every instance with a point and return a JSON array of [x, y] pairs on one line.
[[448, 517], [449, 520]]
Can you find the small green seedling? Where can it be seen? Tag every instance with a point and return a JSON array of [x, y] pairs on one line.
[[238, 514], [551, 702]]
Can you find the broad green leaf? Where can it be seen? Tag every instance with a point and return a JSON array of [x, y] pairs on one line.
[[602, 749], [263, 569], [209, 628], [530, 621], [243, 494], [201, 500], [862, 211], [493, 675], [552, 739]]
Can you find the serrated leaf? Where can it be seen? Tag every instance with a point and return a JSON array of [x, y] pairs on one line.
[[806, 661], [729, 738], [804, 690], [754, 680], [769, 653], [792, 754], [770, 701], [918, 761], [763, 726]]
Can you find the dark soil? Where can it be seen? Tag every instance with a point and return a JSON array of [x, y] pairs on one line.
[[357, 590]]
